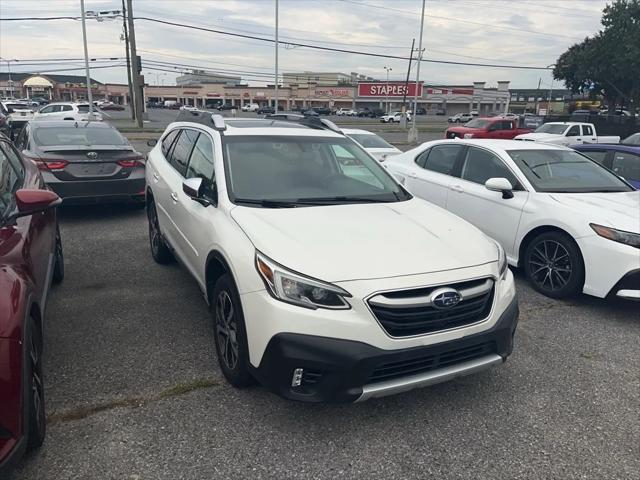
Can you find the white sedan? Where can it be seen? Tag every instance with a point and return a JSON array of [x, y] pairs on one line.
[[571, 224], [376, 146], [67, 111]]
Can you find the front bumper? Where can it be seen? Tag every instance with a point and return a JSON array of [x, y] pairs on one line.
[[336, 370], [610, 268]]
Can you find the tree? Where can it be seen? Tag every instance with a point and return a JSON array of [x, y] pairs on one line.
[[609, 62]]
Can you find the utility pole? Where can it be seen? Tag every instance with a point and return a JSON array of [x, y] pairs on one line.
[[126, 44], [276, 72], [413, 132], [537, 96], [137, 88], [550, 90], [386, 97], [86, 60], [10, 82], [406, 83]]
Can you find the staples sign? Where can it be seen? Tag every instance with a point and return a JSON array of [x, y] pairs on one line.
[[391, 89]]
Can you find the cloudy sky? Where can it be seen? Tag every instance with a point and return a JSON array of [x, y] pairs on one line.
[[504, 32]]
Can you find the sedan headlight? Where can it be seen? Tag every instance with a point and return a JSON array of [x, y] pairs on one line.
[[291, 287], [620, 236]]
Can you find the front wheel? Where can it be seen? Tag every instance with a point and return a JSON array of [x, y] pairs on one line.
[[58, 259], [159, 250], [554, 265], [230, 333], [37, 421]]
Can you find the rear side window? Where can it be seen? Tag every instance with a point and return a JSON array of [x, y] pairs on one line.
[[598, 156], [168, 141], [181, 152], [441, 158], [587, 130], [10, 177], [81, 108], [627, 165], [69, 108]]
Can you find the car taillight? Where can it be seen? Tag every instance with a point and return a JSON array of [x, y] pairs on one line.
[[47, 164], [131, 162]]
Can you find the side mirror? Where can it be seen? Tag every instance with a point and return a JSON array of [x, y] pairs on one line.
[[193, 188], [152, 142], [500, 184], [9, 110], [30, 201]]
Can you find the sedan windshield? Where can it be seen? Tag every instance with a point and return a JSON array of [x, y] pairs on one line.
[[54, 136], [556, 129], [477, 123], [370, 141], [272, 172], [564, 171]]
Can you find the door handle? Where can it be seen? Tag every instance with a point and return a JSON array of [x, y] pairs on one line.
[[456, 188], [174, 197], [412, 175], [155, 176]]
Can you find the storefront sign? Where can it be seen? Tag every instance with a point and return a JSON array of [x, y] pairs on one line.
[[391, 89], [333, 92]]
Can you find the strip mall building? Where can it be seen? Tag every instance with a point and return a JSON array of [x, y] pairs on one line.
[[372, 94]]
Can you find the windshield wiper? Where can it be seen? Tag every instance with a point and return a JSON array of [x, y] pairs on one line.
[[266, 203], [339, 199]]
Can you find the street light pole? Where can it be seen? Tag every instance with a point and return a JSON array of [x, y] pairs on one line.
[[550, 91], [276, 72], [386, 97], [86, 60], [8, 60], [413, 132]]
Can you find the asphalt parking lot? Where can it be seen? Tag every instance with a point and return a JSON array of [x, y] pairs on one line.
[[134, 390]]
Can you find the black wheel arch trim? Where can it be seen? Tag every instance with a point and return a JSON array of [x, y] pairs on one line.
[[534, 232]]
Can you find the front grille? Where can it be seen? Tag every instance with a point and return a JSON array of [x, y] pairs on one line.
[[409, 312], [427, 363], [453, 135]]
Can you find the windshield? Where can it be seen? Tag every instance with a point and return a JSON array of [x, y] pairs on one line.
[[369, 141], [477, 123], [293, 171], [554, 128], [632, 139], [54, 136], [564, 171]]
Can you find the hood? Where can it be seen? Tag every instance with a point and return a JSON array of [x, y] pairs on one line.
[[463, 129], [617, 210], [538, 136], [383, 153], [365, 241]]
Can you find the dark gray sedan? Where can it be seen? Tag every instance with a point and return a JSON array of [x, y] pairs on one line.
[[84, 162]]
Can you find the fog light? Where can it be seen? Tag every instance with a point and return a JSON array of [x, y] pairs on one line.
[[296, 380]]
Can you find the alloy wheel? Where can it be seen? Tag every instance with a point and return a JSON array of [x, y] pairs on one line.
[[154, 233], [37, 386], [226, 329], [550, 265]]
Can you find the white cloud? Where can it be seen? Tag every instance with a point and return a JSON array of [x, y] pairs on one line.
[[387, 25]]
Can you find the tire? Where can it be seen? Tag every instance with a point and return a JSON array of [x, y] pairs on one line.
[[159, 250], [58, 259], [36, 418], [230, 333], [554, 266]]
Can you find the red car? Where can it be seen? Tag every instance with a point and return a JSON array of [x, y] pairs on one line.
[[30, 259], [494, 127]]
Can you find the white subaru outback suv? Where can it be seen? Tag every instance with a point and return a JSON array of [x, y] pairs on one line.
[[327, 280]]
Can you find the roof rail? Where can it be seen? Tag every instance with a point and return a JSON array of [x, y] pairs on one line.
[[215, 120], [311, 122]]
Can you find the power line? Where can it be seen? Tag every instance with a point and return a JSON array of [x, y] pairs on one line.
[[303, 45]]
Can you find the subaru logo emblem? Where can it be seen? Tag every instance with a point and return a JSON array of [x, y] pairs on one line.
[[92, 155], [445, 298]]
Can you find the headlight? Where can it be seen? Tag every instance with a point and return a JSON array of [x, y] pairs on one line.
[[620, 236], [468, 135], [294, 288], [503, 265]]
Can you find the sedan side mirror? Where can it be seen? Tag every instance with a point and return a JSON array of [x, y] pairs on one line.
[[500, 184], [30, 201], [152, 142]]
